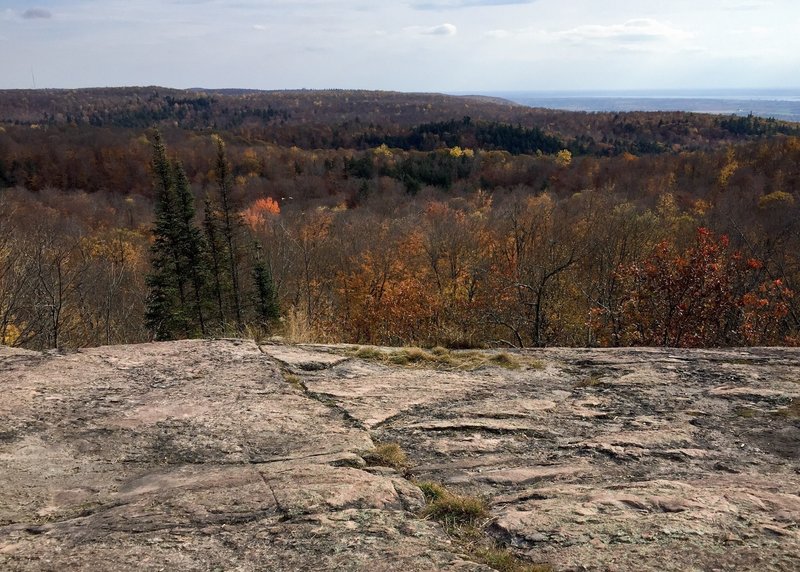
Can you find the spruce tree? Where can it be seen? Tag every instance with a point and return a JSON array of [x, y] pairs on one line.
[[177, 282], [216, 253], [161, 313], [165, 300], [230, 225], [191, 248], [266, 300]]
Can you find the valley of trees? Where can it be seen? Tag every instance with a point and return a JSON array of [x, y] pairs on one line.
[[364, 217]]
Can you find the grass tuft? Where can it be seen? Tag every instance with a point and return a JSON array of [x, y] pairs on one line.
[[387, 455], [505, 359], [592, 380], [293, 380], [444, 359], [368, 353], [457, 510], [745, 412], [432, 491], [464, 518]]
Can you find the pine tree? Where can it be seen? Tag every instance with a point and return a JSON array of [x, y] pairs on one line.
[[177, 282], [165, 300], [266, 302], [216, 253], [161, 314], [230, 225], [191, 247]]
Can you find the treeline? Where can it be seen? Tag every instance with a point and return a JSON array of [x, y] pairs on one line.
[[517, 140], [638, 260], [522, 269], [96, 159], [751, 125], [137, 108], [464, 231]]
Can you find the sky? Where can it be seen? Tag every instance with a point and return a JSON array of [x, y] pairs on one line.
[[405, 45]]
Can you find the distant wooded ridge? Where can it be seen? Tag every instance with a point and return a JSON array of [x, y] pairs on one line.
[[312, 119]]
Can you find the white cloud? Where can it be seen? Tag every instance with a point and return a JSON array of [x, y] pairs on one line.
[[259, 27], [641, 32], [752, 31], [440, 30]]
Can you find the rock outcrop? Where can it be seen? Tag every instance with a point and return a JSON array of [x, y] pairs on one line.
[[223, 455]]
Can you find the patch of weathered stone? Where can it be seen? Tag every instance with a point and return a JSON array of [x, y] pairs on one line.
[[201, 455]]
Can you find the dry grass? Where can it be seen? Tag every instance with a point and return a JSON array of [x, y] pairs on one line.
[[293, 380], [251, 332], [297, 328], [464, 519], [745, 412], [368, 353], [387, 455], [791, 411], [442, 358], [432, 491], [457, 510], [451, 509]]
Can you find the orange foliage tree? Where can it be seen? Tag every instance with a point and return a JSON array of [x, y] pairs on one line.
[[707, 295], [258, 213]]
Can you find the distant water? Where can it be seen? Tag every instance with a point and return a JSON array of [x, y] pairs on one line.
[[778, 103]]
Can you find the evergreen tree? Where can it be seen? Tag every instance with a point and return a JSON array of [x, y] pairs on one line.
[[191, 247], [266, 300], [230, 225], [177, 281], [161, 313], [216, 253], [165, 300]]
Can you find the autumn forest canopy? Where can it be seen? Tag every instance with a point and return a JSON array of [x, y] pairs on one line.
[[132, 214]]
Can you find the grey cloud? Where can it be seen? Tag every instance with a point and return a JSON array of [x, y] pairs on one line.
[[37, 14]]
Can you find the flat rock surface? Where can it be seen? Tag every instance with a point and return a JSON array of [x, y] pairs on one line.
[[193, 455], [207, 455], [618, 459]]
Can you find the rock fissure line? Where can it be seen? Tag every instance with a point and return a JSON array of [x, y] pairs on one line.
[[329, 401], [272, 492]]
